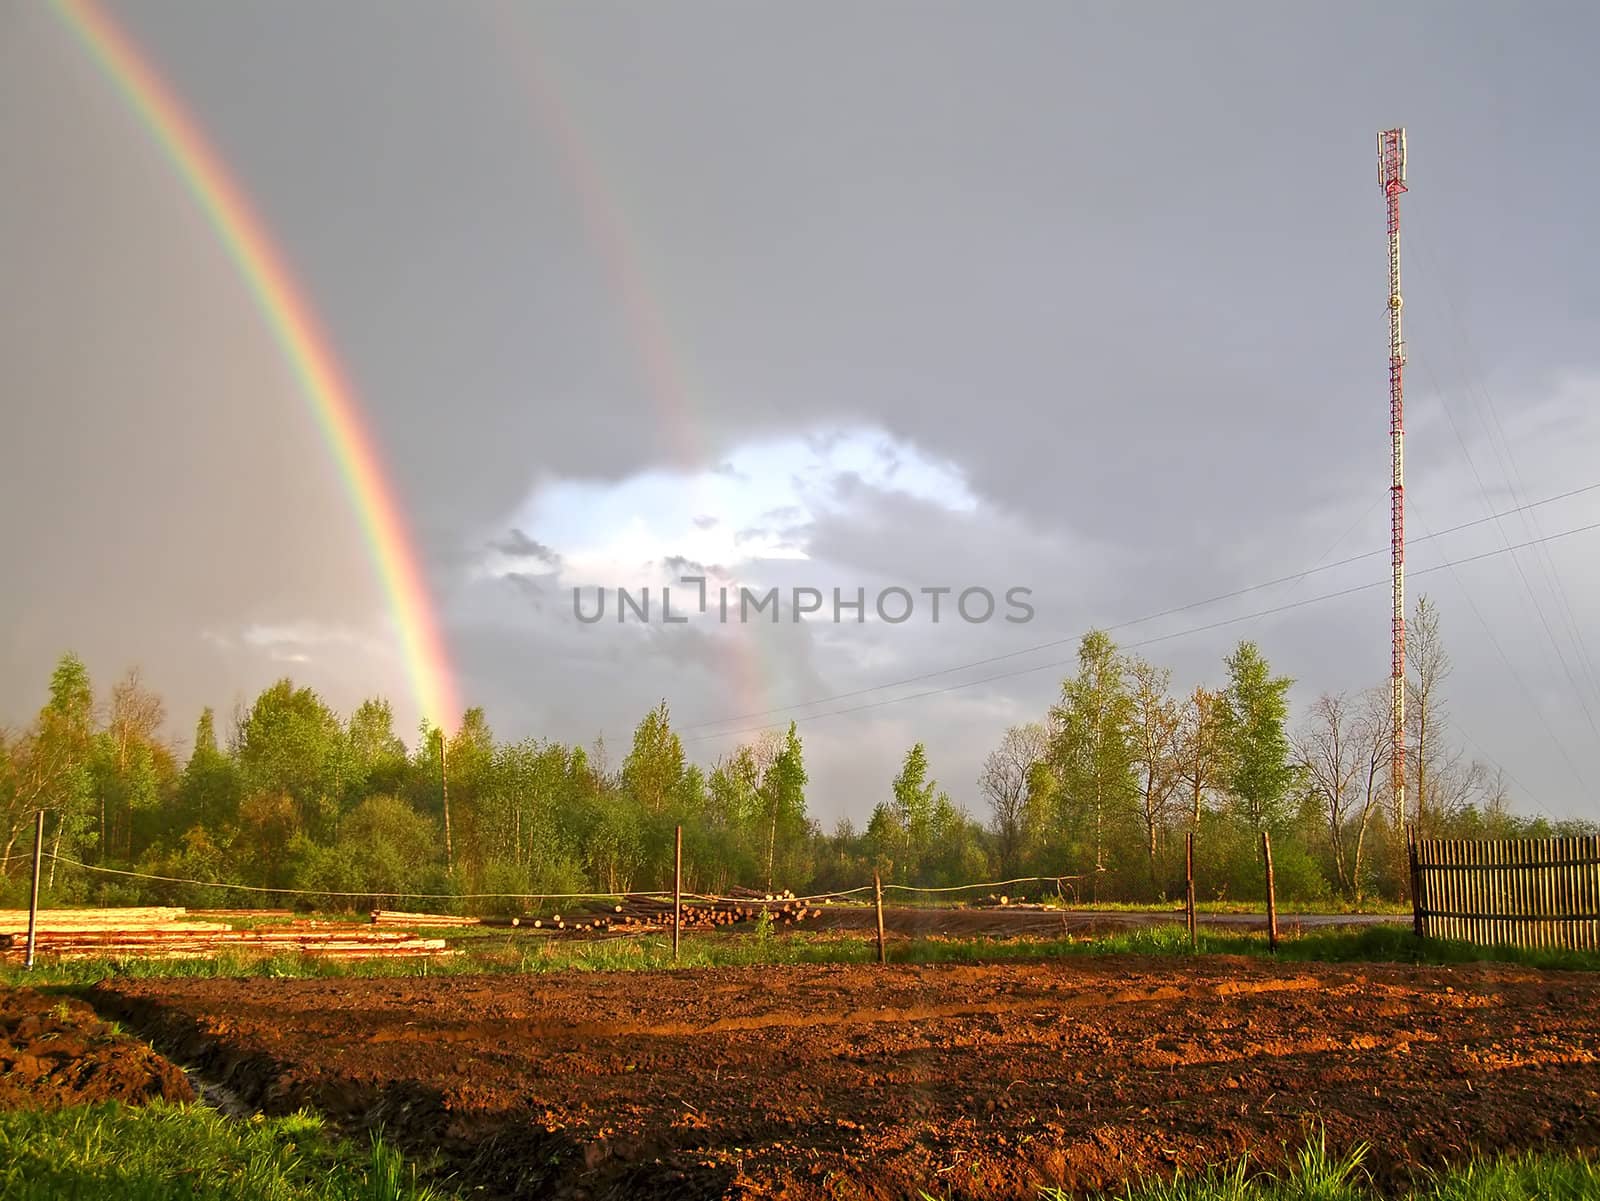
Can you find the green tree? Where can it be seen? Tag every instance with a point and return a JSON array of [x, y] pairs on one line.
[[1157, 740], [654, 768], [270, 827], [291, 744], [729, 852], [471, 769], [60, 759], [527, 820], [210, 788], [133, 770], [783, 799], [1204, 747], [430, 782], [915, 796], [661, 792], [377, 754], [1092, 749], [1263, 769], [384, 848]]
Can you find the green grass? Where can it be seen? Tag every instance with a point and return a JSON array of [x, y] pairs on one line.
[[503, 951], [170, 1152], [1259, 908], [1316, 1175]]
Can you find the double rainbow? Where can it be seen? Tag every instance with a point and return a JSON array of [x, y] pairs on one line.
[[294, 325]]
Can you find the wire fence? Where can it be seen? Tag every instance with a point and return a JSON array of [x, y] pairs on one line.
[[1060, 883]]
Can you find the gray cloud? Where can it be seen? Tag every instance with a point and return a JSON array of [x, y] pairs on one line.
[[688, 566], [1145, 392], [518, 545]]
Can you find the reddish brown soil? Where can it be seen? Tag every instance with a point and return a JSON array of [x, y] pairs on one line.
[[965, 1081], [1009, 921], [55, 1053]]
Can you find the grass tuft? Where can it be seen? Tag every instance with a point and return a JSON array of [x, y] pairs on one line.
[[1315, 1174], [166, 1152]]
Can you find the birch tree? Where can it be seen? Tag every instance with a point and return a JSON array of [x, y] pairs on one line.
[[1157, 728]]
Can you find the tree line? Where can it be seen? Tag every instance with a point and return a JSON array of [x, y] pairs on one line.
[[1097, 795]]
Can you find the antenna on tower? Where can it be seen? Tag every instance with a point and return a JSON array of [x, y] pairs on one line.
[[1392, 179]]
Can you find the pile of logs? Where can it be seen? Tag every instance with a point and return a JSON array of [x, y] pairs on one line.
[[163, 933], [445, 921], [635, 913], [638, 914]]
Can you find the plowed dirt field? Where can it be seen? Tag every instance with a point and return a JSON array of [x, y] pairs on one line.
[[964, 1081], [56, 1052]]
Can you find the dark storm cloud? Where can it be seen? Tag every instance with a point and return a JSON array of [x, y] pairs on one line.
[[518, 545], [688, 566]]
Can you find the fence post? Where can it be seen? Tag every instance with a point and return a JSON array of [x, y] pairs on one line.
[[877, 892], [1188, 891], [33, 897], [677, 887], [1272, 898], [1416, 880]]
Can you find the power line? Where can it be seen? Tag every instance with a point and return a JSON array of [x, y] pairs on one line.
[[1055, 642], [1006, 675], [1473, 374], [1527, 695], [1522, 574], [1527, 792], [1508, 469]]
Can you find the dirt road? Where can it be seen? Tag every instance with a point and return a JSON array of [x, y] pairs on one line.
[[964, 1081]]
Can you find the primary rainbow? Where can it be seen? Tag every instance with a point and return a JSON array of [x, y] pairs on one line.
[[293, 323]]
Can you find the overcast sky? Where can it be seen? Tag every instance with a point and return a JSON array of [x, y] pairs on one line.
[[1082, 298]]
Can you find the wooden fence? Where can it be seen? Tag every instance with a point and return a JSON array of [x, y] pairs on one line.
[[1525, 892]]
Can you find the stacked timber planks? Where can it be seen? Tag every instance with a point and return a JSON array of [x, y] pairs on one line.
[[15, 921], [419, 921], [397, 917], [161, 934]]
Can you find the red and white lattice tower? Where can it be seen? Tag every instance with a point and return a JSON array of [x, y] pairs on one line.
[[1392, 179]]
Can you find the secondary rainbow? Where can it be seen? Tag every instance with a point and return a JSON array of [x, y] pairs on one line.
[[295, 327], [664, 370]]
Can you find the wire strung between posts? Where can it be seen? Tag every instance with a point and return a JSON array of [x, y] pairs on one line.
[[820, 896], [429, 896], [371, 892], [1056, 880], [1059, 663], [713, 898]]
